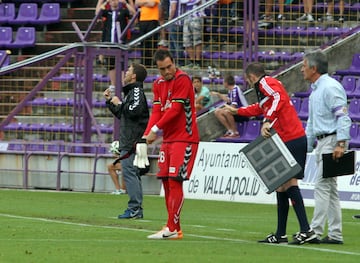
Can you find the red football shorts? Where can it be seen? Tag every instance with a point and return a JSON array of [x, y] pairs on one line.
[[176, 160]]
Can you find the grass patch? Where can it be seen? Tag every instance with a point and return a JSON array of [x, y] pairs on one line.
[[39, 226]]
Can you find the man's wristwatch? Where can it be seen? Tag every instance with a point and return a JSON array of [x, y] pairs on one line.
[[341, 144]]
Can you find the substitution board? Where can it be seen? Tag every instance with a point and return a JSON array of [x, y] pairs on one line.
[[270, 161]]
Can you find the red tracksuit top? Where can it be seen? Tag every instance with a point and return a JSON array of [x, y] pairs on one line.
[[276, 104], [174, 109]]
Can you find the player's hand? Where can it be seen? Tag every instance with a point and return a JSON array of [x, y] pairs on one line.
[[151, 137], [265, 130]]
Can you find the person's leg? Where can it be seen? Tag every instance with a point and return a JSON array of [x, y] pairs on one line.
[[175, 203], [220, 114], [133, 183], [334, 213], [114, 176], [282, 213]]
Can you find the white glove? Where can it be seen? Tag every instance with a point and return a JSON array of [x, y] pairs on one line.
[[141, 158]]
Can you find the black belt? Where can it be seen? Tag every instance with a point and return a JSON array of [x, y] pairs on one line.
[[322, 136]]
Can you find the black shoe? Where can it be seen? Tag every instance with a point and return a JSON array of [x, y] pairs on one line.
[[271, 238], [356, 217], [328, 240], [303, 237]]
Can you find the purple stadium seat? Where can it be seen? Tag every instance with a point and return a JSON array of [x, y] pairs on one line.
[[14, 126], [27, 14], [7, 12], [355, 136], [101, 78], [354, 68], [304, 109], [25, 37], [56, 146], [354, 109], [5, 36], [35, 146], [49, 13], [61, 127], [303, 94], [64, 77], [349, 83], [16, 145], [40, 101], [356, 91], [36, 127], [206, 80], [251, 131], [296, 101], [99, 103], [61, 102], [4, 58]]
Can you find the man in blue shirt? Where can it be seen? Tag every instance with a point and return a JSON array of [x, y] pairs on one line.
[[329, 123]]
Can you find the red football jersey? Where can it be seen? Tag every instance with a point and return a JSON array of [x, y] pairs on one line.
[[174, 109], [276, 106]]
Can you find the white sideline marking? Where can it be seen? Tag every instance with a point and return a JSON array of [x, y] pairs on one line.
[[192, 235]]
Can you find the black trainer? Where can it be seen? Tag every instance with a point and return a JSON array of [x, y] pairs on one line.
[[328, 240], [272, 239], [304, 237]]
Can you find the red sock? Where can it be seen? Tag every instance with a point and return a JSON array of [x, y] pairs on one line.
[[175, 203]]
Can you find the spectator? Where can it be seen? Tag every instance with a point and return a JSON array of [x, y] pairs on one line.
[[193, 33], [133, 113], [275, 105], [307, 16], [203, 97], [163, 14], [177, 8], [267, 19], [113, 11], [222, 14], [329, 17], [236, 99], [329, 123], [174, 113], [114, 168], [148, 21]]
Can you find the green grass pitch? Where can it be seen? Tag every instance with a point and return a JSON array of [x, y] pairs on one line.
[[40, 226]]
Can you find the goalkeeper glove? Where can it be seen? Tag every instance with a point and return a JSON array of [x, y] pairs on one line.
[[141, 158]]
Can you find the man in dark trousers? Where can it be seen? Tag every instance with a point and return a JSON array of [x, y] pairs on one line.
[[133, 113]]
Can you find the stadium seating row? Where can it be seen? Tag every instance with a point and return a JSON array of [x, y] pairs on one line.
[[28, 13], [25, 37]]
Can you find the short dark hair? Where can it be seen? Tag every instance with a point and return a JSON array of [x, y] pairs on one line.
[[196, 77], [162, 54], [139, 71], [229, 79], [255, 68], [317, 59]]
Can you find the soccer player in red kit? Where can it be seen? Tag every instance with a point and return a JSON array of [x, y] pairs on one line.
[[174, 113]]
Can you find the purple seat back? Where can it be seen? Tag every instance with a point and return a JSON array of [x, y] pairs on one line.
[[27, 13], [49, 13], [7, 12], [348, 83], [25, 37], [296, 101], [5, 36], [304, 109], [252, 131]]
